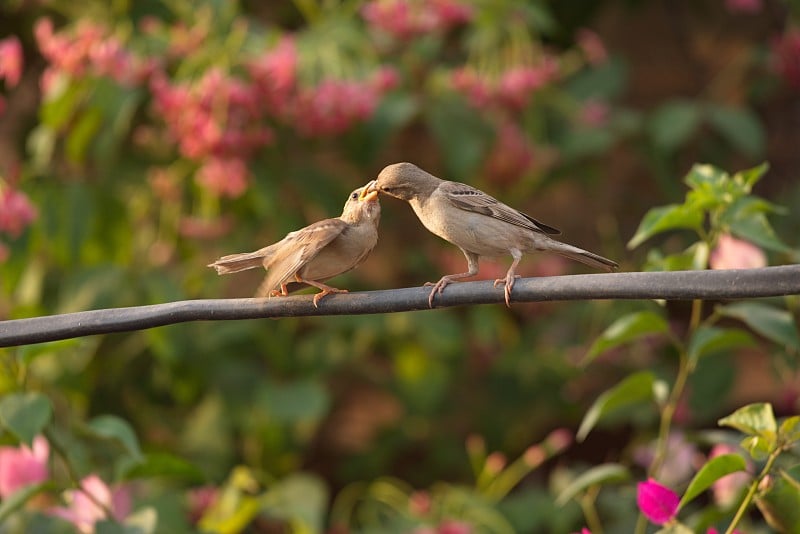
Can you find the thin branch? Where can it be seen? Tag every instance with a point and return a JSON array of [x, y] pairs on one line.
[[676, 285]]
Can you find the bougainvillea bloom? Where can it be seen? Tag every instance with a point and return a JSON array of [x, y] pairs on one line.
[[10, 61], [405, 19], [658, 503], [83, 511], [16, 211], [732, 253], [22, 466]]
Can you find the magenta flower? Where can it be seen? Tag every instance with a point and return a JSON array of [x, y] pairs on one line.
[[732, 253], [22, 466], [10, 61], [658, 503], [84, 511], [16, 211]]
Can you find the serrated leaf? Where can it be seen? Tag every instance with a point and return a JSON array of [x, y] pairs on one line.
[[710, 339], [740, 127], [774, 324], [114, 428], [25, 415], [593, 476], [753, 419], [673, 124], [664, 218], [634, 389], [713, 470], [626, 329]]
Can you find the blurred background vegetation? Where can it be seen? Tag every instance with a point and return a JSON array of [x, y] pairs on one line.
[[144, 139]]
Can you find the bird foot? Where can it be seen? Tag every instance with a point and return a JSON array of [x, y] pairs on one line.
[[438, 287], [508, 282], [327, 291]]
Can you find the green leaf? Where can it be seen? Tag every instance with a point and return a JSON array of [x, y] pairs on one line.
[[162, 464], [81, 134], [740, 127], [789, 431], [774, 324], [780, 503], [709, 339], [626, 329], [634, 389], [596, 475], [753, 419], [694, 258], [758, 447], [749, 177], [664, 218], [17, 500], [673, 124], [25, 415], [707, 177], [305, 400], [713, 470], [113, 428], [756, 229]]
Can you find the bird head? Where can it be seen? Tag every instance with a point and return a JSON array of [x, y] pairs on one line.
[[362, 204], [406, 181]]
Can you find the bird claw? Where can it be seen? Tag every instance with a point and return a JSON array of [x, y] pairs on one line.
[[319, 296], [438, 287], [508, 282]]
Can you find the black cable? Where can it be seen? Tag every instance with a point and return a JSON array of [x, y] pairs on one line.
[[676, 285]]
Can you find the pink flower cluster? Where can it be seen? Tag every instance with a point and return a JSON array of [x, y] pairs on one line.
[[16, 213], [88, 50], [406, 19], [11, 62], [512, 90], [733, 253]]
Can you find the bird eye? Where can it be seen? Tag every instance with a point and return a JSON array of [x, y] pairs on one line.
[[354, 196]]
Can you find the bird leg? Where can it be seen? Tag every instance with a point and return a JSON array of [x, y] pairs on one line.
[[326, 289], [510, 275], [438, 287]]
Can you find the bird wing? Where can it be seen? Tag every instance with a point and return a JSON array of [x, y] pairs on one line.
[[468, 198], [299, 248]]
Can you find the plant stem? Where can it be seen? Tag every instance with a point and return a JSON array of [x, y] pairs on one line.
[[590, 511], [751, 491]]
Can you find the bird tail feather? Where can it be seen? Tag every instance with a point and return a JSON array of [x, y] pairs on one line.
[[584, 256], [234, 263]]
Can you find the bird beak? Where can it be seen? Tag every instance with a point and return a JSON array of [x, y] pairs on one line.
[[369, 193]]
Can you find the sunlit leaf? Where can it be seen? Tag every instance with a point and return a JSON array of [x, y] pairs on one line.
[[599, 474], [664, 218], [626, 329], [774, 324], [749, 177], [635, 389], [789, 430], [713, 470], [752, 419], [25, 414]]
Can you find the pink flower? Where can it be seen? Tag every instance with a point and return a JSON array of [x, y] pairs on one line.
[[22, 466], [679, 463], [786, 57], [223, 176], [405, 19], [10, 61], [419, 503], [83, 511], [726, 490], [450, 526], [16, 211], [732, 253], [658, 503], [200, 500], [744, 6], [275, 74], [512, 155]]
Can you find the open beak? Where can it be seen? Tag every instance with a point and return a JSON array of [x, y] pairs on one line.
[[369, 193]]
